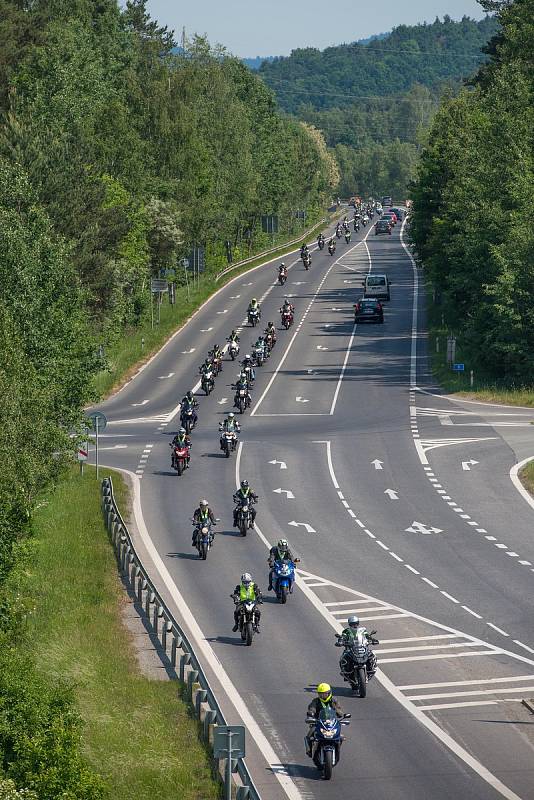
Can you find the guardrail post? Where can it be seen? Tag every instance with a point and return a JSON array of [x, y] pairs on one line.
[[192, 678], [200, 697], [166, 629], [148, 600], [243, 793], [185, 660], [209, 719]]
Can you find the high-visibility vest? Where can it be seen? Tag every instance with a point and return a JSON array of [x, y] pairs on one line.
[[247, 592]]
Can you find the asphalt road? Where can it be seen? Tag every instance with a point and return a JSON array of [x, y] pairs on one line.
[[401, 509]]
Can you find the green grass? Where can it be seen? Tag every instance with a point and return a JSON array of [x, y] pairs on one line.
[[458, 383], [526, 476], [126, 356], [137, 732]]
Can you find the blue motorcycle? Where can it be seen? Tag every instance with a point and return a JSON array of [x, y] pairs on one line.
[[283, 578], [327, 740]]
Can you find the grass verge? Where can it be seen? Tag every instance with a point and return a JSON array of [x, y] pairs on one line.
[[137, 732], [526, 476], [125, 356], [459, 383]]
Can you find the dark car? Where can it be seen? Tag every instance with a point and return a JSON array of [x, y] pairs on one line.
[[382, 226], [387, 201], [368, 309], [399, 213]]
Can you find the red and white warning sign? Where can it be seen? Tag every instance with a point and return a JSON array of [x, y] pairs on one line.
[[83, 452]]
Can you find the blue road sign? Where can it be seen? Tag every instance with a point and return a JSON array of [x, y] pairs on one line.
[[458, 367]]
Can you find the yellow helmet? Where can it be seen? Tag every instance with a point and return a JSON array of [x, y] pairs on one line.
[[324, 688]]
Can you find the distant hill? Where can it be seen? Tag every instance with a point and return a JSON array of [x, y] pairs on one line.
[[427, 54], [255, 63], [374, 99]]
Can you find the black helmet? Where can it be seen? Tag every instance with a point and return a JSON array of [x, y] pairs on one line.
[[244, 484], [189, 395]]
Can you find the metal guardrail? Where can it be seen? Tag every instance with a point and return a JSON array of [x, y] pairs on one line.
[[172, 639], [278, 247]]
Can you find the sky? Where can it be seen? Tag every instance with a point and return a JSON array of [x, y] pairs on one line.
[[249, 28]]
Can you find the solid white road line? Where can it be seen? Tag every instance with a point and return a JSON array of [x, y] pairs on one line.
[[514, 477], [439, 696], [426, 647], [466, 705], [439, 656]]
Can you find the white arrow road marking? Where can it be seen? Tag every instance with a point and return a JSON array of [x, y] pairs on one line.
[[222, 401], [466, 465], [187, 352], [306, 525], [140, 404], [392, 494], [300, 399], [115, 447], [247, 284], [298, 283], [377, 464], [418, 527], [320, 347], [290, 495], [423, 445], [283, 464], [336, 309], [164, 377], [205, 330], [235, 297], [223, 312]]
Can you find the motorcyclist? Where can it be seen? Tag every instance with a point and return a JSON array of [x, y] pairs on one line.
[[248, 367], [320, 239], [216, 355], [233, 338], [350, 635], [282, 269], [348, 236], [247, 590], [201, 515], [287, 306], [260, 345], [254, 307], [278, 552], [229, 425], [241, 385], [332, 245], [324, 700], [303, 250], [189, 402], [207, 366], [270, 330], [181, 440], [245, 495]]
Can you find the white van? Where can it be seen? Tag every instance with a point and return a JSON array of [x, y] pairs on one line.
[[377, 286]]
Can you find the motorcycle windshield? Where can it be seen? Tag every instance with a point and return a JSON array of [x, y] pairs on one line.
[[328, 719]]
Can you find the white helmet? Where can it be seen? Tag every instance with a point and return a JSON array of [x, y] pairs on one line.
[[203, 503], [246, 578], [231, 415], [353, 621]]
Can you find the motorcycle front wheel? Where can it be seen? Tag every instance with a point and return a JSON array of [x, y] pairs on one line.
[[203, 551], [283, 595], [362, 682], [249, 633], [328, 764], [227, 451], [179, 467], [243, 633], [243, 527]]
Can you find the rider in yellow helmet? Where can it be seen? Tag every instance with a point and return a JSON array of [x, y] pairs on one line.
[[324, 699]]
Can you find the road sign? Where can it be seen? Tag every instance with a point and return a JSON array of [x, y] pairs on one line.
[[158, 285], [221, 734], [458, 367], [92, 419], [83, 451]]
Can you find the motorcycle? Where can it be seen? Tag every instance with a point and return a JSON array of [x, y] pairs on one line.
[[249, 375], [179, 458], [365, 220], [338, 233], [356, 225], [207, 382], [217, 365], [205, 537], [320, 244], [354, 663], [254, 316], [228, 442], [347, 237], [188, 419], [244, 518], [270, 341], [247, 618], [307, 262], [259, 356], [287, 319], [331, 249], [282, 278], [283, 578], [327, 739], [233, 349], [241, 400]]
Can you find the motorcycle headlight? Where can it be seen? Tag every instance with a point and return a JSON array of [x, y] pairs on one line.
[[245, 508]]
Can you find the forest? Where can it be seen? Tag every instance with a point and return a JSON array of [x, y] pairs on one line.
[[374, 101], [115, 155], [472, 224]]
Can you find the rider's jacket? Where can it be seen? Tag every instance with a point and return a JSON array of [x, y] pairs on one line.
[[317, 705]]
